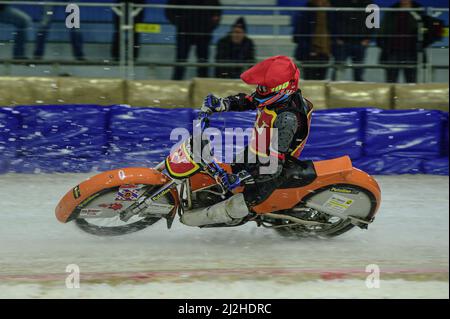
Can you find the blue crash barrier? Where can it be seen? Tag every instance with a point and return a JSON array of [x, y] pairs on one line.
[[389, 165], [53, 138], [9, 126], [84, 138], [141, 136], [335, 133], [238, 125], [408, 133], [55, 131], [342, 128], [445, 133]]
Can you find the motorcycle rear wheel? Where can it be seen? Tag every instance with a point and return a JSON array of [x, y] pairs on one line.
[[337, 226]]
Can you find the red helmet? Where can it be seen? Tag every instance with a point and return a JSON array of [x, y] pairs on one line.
[[276, 79]]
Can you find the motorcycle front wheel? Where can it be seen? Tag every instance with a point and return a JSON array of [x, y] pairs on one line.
[[113, 225]]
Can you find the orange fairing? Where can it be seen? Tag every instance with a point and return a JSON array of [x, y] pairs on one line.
[[179, 164], [203, 180], [83, 191], [342, 165], [329, 172]]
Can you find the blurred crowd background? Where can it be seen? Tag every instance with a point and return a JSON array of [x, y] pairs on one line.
[[181, 39], [102, 96]]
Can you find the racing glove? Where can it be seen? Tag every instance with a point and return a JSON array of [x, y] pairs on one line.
[[231, 181], [213, 104]]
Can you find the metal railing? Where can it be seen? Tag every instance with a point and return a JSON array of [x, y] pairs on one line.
[[116, 8], [127, 12]]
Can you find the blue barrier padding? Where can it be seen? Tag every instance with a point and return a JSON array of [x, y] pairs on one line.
[[438, 166], [236, 127], [335, 133], [144, 133], [36, 164], [389, 165], [407, 133], [4, 166], [108, 162], [59, 131], [9, 125], [88, 138], [445, 132]]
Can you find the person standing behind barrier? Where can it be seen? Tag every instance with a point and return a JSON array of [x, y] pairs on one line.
[[139, 18], [398, 41], [22, 22], [312, 33], [194, 27], [235, 47], [76, 38], [352, 37]]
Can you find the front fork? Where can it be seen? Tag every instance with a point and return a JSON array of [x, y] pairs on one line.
[[144, 202], [148, 200]]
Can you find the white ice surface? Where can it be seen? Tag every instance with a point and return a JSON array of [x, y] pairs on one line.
[[410, 233]]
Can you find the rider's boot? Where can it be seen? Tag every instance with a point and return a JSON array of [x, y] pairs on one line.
[[223, 212]]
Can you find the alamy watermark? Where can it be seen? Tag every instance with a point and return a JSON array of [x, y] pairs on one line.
[[373, 279], [206, 145], [73, 278], [373, 19], [73, 17]]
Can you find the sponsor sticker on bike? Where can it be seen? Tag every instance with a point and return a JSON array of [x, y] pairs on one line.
[[338, 203], [344, 190], [76, 192], [128, 193], [113, 206], [164, 192], [90, 212]]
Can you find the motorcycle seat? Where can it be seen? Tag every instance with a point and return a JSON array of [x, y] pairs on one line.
[[297, 173]]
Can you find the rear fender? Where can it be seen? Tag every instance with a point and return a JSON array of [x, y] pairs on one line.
[[341, 171], [105, 180], [329, 172]]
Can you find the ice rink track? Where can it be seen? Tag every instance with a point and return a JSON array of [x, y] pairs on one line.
[[409, 242]]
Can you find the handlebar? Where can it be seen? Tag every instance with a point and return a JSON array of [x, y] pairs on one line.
[[203, 115], [228, 182], [214, 169]]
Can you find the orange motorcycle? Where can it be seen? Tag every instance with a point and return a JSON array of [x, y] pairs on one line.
[[322, 198]]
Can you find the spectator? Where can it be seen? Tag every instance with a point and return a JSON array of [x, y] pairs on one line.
[[139, 18], [312, 33], [194, 27], [352, 37], [21, 21], [398, 41], [76, 38], [234, 47]]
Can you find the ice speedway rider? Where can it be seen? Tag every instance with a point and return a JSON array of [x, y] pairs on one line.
[[279, 104]]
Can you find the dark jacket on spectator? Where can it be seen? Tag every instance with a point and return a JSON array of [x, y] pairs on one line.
[[398, 31], [350, 26], [304, 27], [227, 51], [194, 21]]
